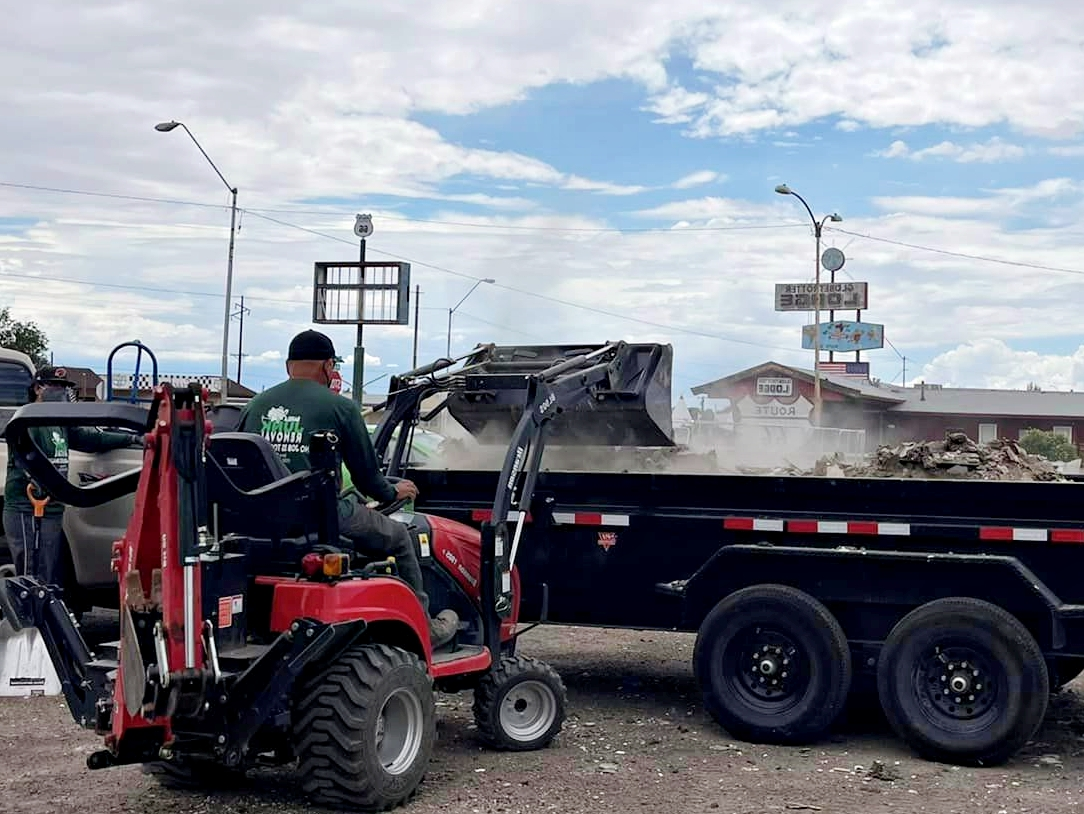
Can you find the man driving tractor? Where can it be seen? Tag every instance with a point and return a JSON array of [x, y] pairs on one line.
[[287, 415]]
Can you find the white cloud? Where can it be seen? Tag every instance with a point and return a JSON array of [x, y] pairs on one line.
[[993, 363], [1068, 151], [990, 152], [325, 103], [879, 64], [994, 203], [699, 178]]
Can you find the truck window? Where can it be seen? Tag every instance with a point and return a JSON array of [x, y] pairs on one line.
[[14, 383]]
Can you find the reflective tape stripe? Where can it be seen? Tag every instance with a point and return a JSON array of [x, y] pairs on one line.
[[752, 524], [1008, 533], [590, 519], [1067, 535], [485, 515]]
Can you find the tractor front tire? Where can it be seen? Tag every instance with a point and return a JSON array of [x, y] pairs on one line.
[[364, 729], [520, 706]]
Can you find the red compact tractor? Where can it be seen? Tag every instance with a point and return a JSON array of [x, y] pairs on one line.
[[252, 634]]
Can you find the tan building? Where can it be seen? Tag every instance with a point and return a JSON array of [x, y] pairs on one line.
[[775, 401]]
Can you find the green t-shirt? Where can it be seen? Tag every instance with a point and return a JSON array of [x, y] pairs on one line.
[[55, 443], [289, 413]]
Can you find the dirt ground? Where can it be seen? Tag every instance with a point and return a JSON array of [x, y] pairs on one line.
[[636, 739]]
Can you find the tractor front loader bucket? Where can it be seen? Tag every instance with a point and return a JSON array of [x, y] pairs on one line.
[[632, 409]]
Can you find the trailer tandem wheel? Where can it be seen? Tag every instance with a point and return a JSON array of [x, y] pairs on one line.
[[963, 681], [520, 706], [773, 664], [364, 729]]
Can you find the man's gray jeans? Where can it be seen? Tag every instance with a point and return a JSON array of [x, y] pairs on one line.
[[42, 561], [374, 533]]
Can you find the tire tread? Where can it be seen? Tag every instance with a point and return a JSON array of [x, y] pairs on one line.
[[327, 714], [485, 706]]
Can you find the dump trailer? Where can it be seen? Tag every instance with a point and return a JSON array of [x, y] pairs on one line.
[[958, 602]]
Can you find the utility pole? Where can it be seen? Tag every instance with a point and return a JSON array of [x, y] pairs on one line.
[[417, 297], [240, 314], [818, 227], [359, 344]]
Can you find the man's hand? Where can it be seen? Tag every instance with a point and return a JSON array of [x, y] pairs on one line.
[[405, 490]]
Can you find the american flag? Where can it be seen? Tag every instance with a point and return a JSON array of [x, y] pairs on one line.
[[846, 370]]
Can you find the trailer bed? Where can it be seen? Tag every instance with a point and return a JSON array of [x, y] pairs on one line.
[[604, 543]]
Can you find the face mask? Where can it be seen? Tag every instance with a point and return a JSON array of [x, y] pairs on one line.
[[54, 394]]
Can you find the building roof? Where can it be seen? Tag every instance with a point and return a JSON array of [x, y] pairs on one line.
[[990, 402], [933, 399], [856, 388]]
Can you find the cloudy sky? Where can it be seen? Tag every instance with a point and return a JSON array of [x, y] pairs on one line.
[[610, 164]]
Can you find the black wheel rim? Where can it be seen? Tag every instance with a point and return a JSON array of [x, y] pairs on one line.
[[959, 685], [766, 668]]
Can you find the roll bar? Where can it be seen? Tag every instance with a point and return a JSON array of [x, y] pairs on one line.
[[78, 414]]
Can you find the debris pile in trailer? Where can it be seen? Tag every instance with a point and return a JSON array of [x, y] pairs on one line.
[[956, 457]]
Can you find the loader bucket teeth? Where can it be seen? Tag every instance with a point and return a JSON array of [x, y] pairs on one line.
[[634, 410]]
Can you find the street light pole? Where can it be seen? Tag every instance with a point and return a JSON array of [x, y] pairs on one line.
[[818, 227], [165, 127], [448, 350]]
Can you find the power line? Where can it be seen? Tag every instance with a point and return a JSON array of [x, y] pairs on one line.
[[522, 227], [527, 228], [114, 195], [155, 289], [963, 255], [525, 292], [404, 218]]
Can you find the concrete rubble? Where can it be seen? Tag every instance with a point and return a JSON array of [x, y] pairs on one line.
[[957, 456]]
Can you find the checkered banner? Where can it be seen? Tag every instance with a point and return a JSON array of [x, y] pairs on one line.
[[123, 381]]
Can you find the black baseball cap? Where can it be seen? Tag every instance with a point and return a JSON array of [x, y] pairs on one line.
[[53, 375], [312, 346]]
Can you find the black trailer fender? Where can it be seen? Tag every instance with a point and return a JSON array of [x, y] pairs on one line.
[[869, 591]]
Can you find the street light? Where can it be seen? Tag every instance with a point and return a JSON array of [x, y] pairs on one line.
[[818, 227], [165, 127], [451, 311]]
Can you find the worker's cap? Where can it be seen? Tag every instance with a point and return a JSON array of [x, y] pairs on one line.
[[312, 346], [50, 375]]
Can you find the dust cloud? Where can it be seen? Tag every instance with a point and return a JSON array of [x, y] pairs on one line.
[[711, 450]]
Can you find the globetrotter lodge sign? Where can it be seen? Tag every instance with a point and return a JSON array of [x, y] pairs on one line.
[[833, 296]]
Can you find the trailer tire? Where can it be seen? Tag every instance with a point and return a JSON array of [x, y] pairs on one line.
[[983, 719], [785, 636], [339, 717], [520, 706]]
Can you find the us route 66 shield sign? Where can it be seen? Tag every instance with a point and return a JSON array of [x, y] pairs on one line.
[[363, 226]]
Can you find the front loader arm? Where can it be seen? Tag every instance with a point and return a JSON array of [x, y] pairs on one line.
[[550, 392]]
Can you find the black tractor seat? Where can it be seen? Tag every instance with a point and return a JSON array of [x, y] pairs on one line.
[[277, 516]]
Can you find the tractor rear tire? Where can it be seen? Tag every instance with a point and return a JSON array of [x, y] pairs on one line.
[[520, 706], [962, 681], [773, 664], [364, 729]]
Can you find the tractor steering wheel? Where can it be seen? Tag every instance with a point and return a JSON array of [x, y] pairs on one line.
[[393, 506]]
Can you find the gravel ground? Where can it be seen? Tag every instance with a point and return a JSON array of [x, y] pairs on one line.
[[636, 739]]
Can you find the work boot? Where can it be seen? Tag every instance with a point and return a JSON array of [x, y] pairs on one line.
[[443, 627]]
